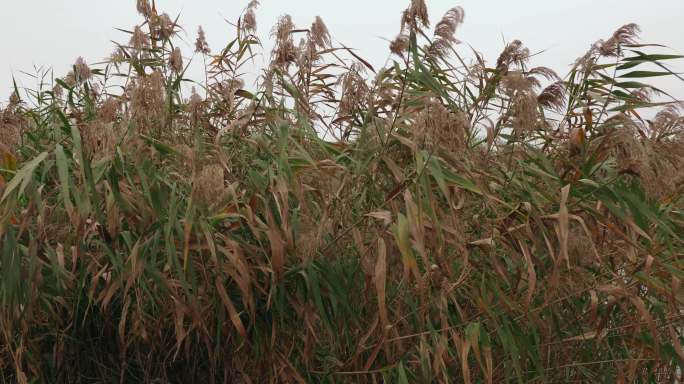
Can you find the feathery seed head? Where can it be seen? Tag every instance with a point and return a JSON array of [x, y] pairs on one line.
[[627, 34], [11, 124], [249, 22], [195, 106], [319, 35], [14, 100], [99, 138], [285, 51], [139, 40], [415, 16], [669, 120], [201, 45], [283, 28], [117, 57], [57, 91], [516, 81], [439, 126], [81, 70], [210, 184], [445, 31], [162, 26], [514, 52], [109, 110], [147, 105], [144, 8], [70, 79], [553, 96], [524, 112], [399, 45], [176, 60], [354, 90], [545, 72]]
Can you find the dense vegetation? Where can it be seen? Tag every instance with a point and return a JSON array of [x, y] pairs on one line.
[[438, 220]]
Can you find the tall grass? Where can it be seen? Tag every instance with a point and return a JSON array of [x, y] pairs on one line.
[[438, 220]]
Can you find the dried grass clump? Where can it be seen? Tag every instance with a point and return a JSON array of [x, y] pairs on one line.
[[432, 221]]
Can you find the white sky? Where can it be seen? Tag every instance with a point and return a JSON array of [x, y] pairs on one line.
[[55, 32]]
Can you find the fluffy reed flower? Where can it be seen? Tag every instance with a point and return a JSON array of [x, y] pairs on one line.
[[545, 72], [512, 53], [399, 45], [99, 138], [57, 91], [516, 81], [147, 102], [10, 124], [445, 30], [70, 79], [642, 94], [109, 110], [657, 167], [283, 28], [227, 88], [524, 112], [176, 60], [553, 96], [195, 106], [201, 45], [144, 8], [117, 57], [249, 22], [81, 70], [209, 184], [627, 34], [354, 90], [162, 26], [669, 121], [415, 16], [139, 40], [285, 51], [14, 100], [318, 34], [101, 135], [441, 127]]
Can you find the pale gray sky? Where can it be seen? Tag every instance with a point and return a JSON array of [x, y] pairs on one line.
[[55, 32]]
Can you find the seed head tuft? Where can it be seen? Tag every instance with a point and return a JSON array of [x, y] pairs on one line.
[[201, 45]]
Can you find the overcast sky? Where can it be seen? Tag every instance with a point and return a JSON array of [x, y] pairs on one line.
[[55, 32]]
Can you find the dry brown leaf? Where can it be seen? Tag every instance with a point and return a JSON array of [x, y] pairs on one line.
[[277, 251], [531, 274], [563, 225], [379, 279], [232, 312], [385, 216]]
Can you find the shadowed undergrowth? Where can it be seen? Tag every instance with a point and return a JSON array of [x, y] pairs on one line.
[[442, 219]]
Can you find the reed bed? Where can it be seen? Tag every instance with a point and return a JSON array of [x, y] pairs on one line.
[[443, 219]]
